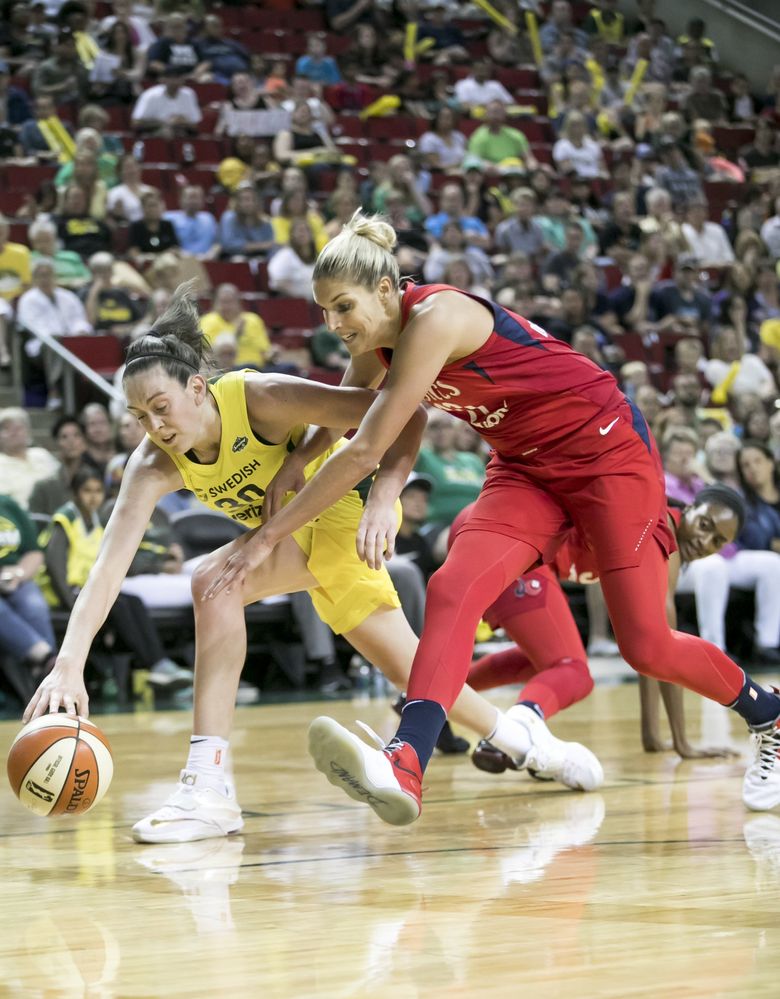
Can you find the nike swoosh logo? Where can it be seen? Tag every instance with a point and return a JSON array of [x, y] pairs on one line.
[[605, 430]]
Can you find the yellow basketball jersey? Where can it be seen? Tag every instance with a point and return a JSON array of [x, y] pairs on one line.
[[235, 483]]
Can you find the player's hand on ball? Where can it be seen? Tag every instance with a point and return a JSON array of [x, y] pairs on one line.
[[376, 533], [63, 687], [289, 479]]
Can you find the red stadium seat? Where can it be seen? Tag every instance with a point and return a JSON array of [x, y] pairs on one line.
[[28, 178], [281, 312], [234, 272], [103, 354], [398, 126]]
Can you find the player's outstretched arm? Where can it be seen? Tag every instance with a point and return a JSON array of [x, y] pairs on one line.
[[148, 476]]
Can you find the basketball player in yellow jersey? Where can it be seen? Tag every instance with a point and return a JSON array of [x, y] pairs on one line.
[[225, 439]]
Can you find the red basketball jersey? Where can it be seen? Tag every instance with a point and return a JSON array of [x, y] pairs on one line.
[[522, 390]]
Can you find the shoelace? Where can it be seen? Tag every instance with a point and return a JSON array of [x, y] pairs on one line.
[[767, 751]]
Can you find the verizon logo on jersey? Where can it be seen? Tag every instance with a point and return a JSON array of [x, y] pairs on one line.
[[442, 395]]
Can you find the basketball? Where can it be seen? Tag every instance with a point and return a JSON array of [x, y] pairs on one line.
[[60, 765]]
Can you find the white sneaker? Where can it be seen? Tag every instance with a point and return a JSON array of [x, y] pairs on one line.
[[761, 786], [199, 808], [387, 779], [553, 759]]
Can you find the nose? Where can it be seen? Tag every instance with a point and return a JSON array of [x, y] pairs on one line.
[[332, 321], [155, 423]]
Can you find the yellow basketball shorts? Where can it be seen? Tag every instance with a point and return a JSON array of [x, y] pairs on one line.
[[348, 589]]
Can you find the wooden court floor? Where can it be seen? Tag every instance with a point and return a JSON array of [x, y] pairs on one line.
[[659, 885]]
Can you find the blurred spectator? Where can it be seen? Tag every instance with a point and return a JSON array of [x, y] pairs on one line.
[[689, 356], [196, 229], [449, 45], [63, 76], [26, 632], [14, 264], [457, 476], [302, 90], [741, 106], [443, 146], [681, 303], [251, 162], [674, 174], [720, 457], [695, 35], [141, 34], [173, 50], [85, 176], [328, 350], [410, 542], [631, 301], [451, 205], [521, 232], [564, 55], [237, 113], [316, 65], [291, 268], [45, 135], [89, 141], [99, 435], [762, 157], [559, 267], [554, 219], [109, 306], [69, 269], [558, 22], [349, 94], [401, 177], [497, 142], [45, 308], [370, 58], [71, 449], [118, 69], [305, 143], [479, 89], [77, 229], [633, 376], [123, 202], [575, 151], [460, 274], [20, 43], [621, 236], [341, 15], [152, 234], [706, 240], [167, 109], [21, 465], [452, 245], [732, 370], [14, 104], [573, 313], [704, 100], [661, 219], [770, 232], [219, 57], [606, 22], [681, 473], [648, 401], [245, 229], [687, 396], [760, 479], [247, 328]]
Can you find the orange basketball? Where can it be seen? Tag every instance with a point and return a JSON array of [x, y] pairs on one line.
[[60, 765]]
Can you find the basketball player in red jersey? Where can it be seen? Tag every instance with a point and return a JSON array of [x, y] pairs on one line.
[[549, 657], [570, 451]]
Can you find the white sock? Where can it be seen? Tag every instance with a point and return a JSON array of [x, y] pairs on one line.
[[511, 738], [208, 756]]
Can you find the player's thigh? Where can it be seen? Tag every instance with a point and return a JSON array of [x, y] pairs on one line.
[[284, 571]]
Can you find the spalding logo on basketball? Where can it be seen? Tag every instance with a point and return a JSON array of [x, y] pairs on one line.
[[60, 765]]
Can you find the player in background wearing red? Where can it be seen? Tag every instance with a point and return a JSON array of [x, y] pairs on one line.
[[570, 451], [549, 657]]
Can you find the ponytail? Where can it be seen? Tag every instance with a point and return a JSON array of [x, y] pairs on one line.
[[175, 341]]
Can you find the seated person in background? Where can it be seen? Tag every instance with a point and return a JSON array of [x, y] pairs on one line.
[[521, 233], [306, 142], [219, 57], [46, 135], [559, 267], [479, 89], [759, 478], [167, 109], [152, 234], [14, 264], [173, 50], [21, 466], [291, 268], [733, 370], [459, 273], [71, 549], [315, 64], [452, 209], [495, 141], [26, 632], [293, 208], [70, 271], [71, 448], [77, 229], [245, 230], [89, 141], [449, 45], [123, 203], [682, 303], [457, 476], [706, 240], [630, 302], [328, 350], [227, 316], [679, 450], [45, 308], [409, 541], [99, 435], [575, 152], [443, 146], [196, 229], [109, 306], [452, 245]]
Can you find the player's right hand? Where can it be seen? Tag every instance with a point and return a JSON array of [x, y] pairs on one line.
[[63, 687], [289, 479]]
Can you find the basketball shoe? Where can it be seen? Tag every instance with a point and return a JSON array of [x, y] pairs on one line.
[[761, 786], [550, 758], [199, 808], [389, 779]]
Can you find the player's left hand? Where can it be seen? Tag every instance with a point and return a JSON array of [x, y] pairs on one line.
[[689, 752], [376, 533], [236, 568]]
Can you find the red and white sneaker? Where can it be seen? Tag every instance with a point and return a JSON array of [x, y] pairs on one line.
[[388, 779]]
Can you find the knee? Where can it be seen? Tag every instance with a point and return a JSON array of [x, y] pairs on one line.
[[202, 577], [642, 648]]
